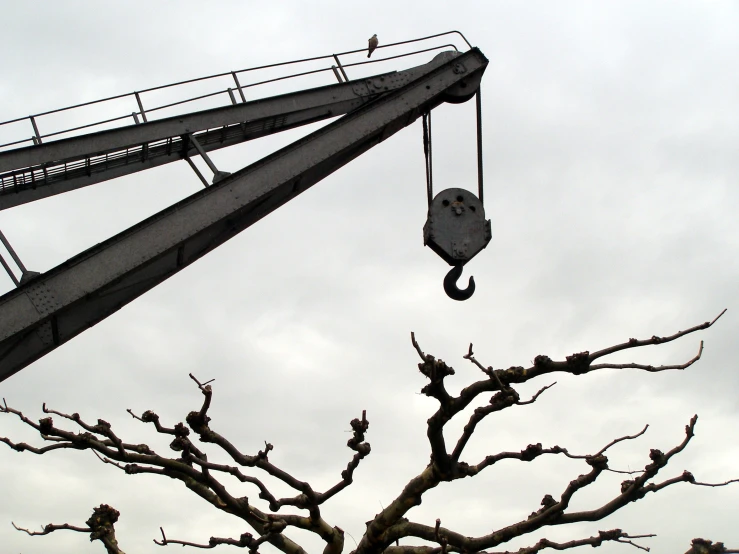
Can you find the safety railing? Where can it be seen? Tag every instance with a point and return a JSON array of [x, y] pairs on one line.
[[142, 114]]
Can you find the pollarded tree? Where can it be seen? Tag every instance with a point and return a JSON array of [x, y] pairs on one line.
[[273, 520]]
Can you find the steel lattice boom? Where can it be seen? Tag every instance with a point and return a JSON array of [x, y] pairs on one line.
[[34, 172], [50, 309]]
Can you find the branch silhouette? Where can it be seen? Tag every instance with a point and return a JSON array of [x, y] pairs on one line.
[[271, 523]]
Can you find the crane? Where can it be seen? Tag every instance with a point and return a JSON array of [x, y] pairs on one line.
[[47, 309]]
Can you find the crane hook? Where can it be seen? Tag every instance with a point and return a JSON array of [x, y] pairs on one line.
[[450, 285]]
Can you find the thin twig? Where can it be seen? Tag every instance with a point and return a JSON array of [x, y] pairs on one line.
[[417, 347], [715, 484], [50, 528], [634, 343], [651, 368], [538, 393], [625, 438]]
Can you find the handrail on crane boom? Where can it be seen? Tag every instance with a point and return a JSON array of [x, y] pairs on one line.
[[37, 137]]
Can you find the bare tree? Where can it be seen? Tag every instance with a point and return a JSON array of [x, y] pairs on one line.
[[384, 531]]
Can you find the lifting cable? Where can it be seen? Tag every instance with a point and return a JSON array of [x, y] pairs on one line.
[[478, 101], [428, 153]]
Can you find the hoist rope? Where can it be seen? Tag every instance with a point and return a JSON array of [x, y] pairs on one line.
[[479, 145], [427, 151], [427, 155]]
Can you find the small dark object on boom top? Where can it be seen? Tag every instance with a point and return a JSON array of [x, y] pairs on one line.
[[372, 45]]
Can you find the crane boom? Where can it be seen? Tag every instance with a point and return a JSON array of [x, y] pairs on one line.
[[50, 309], [35, 172]]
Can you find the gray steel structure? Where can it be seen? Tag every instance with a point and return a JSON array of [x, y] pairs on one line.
[[35, 172], [50, 309], [456, 229]]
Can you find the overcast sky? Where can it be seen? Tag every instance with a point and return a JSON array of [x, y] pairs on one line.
[[611, 164]]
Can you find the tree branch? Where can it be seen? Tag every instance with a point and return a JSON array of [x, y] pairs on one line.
[[715, 484], [651, 368], [50, 528], [196, 472], [447, 467], [634, 343], [703, 546], [101, 527], [615, 535], [620, 439], [501, 400], [246, 540]]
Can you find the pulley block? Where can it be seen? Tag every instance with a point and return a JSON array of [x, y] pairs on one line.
[[456, 229]]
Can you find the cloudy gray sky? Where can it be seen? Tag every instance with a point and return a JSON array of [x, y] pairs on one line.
[[610, 136]]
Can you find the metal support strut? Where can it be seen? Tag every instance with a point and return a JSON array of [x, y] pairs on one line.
[[217, 175], [25, 274]]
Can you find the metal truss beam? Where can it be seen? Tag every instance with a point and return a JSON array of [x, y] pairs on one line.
[[42, 170], [52, 308]]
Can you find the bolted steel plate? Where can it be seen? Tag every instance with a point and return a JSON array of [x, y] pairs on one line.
[[456, 228]]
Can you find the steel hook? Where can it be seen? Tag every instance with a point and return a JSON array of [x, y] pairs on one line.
[[450, 285]]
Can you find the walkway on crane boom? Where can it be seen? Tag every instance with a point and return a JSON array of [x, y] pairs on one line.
[[48, 168], [49, 309]]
